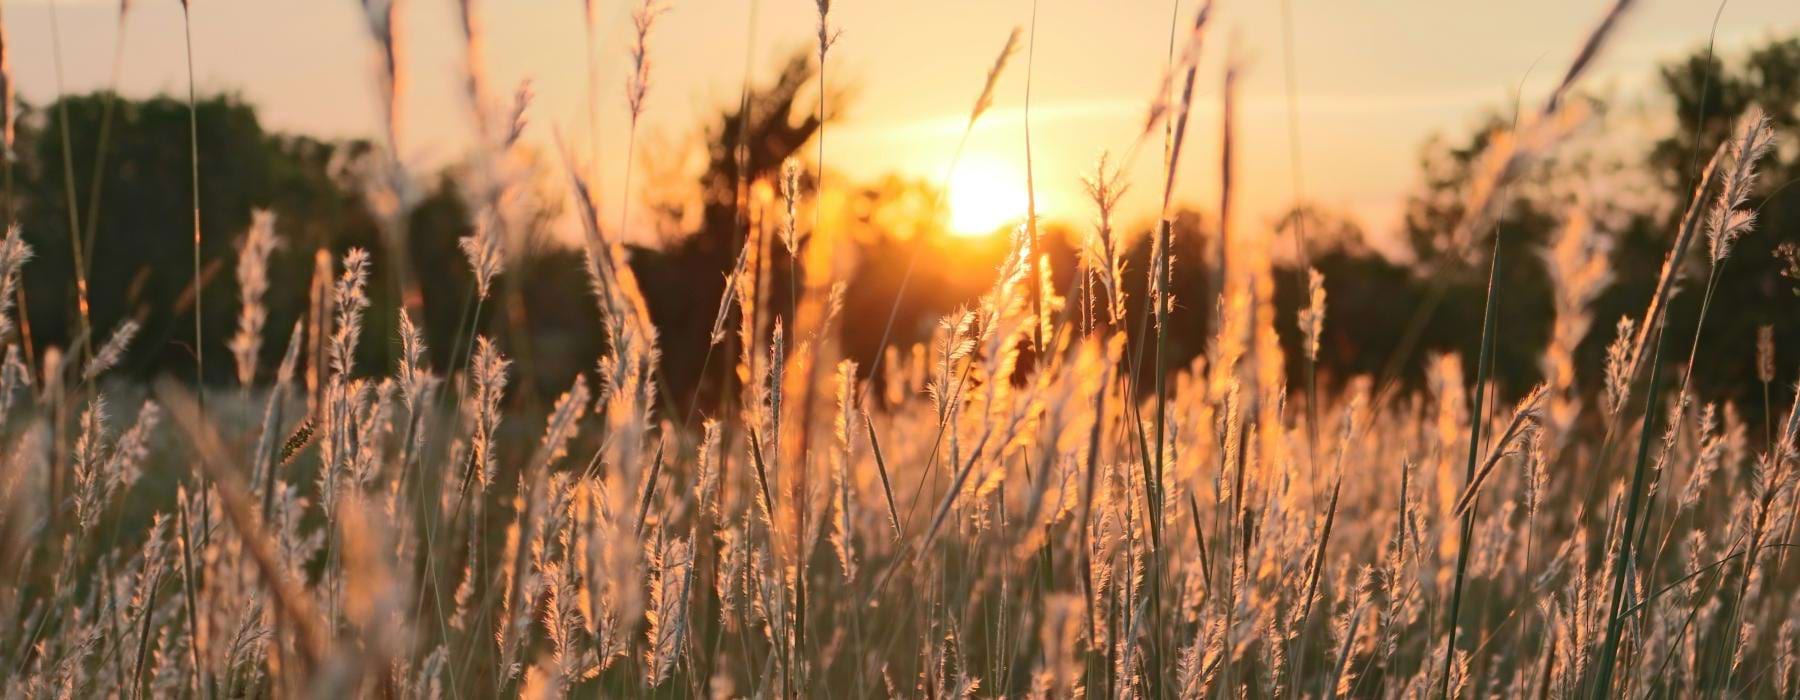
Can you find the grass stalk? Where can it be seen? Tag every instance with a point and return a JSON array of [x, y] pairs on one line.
[[1484, 366], [1622, 560]]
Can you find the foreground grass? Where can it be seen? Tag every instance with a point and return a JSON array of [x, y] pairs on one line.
[[1001, 511]]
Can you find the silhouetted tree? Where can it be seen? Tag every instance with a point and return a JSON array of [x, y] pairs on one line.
[[1708, 97], [682, 280], [139, 238], [1441, 297]]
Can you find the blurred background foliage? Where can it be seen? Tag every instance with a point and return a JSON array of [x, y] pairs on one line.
[[1385, 314]]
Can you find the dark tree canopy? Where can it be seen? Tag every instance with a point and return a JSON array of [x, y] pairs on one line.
[[1443, 295]]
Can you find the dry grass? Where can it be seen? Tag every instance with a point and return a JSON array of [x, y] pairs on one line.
[[967, 521]]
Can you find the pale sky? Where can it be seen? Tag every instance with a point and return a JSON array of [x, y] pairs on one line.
[[1375, 78]]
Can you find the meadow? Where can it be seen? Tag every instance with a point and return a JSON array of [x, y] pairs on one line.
[[1035, 502]]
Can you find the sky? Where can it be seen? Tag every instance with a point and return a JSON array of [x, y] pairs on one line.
[[1372, 80]]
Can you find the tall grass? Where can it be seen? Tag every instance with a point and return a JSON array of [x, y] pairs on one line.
[[407, 531]]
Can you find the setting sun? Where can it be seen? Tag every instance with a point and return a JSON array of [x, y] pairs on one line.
[[986, 195]]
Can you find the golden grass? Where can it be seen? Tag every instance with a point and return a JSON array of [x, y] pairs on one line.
[[991, 512]]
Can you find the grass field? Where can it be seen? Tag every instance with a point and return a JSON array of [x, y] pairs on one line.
[[1033, 503]]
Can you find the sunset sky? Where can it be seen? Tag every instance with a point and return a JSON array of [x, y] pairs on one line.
[[1374, 79]]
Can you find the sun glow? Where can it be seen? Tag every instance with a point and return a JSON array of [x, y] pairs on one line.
[[985, 196]]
